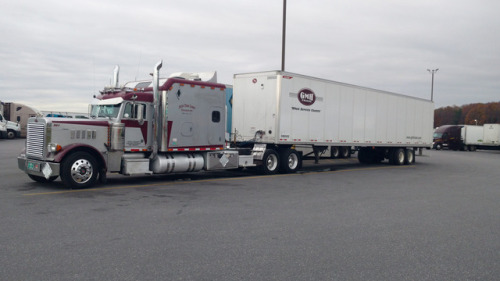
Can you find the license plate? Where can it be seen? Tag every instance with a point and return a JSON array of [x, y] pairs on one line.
[[33, 166]]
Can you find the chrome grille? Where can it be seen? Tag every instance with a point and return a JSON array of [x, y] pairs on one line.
[[35, 140]]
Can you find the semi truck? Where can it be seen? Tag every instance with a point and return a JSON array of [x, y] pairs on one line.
[[18, 114], [178, 124], [467, 137], [13, 128]]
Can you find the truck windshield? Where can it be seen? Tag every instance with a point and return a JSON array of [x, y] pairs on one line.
[[111, 110], [438, 135]]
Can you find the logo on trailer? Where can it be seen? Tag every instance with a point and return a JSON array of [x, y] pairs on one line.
[[306, 97]]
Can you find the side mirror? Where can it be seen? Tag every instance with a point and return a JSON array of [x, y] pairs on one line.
[[140, 113]]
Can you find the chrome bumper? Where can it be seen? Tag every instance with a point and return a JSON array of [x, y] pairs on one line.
[[38, 168]]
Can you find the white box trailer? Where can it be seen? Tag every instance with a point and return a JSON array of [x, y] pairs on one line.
[[472, 136], [491, 135], [288, 109]]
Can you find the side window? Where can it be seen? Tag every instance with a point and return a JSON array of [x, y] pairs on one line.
[[216, 116], [131, 111], [127, 113]]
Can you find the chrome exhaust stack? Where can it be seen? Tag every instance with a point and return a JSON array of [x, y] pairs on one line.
[[116, 74], [156, 100]]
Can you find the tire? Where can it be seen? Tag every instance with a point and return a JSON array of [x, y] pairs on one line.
[[439, 146], [473, 148], [335, 152], [409, 156], [398, 156], [290, 161], [79, 170], [345, 152], [11, 134], [42, 179], [270, 162]]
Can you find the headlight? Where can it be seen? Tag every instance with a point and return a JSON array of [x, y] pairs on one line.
[[54, 147]]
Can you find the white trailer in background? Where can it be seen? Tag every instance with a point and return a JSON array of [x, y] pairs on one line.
[[471, 136], [491, 134], [282, 110], [480, 137]]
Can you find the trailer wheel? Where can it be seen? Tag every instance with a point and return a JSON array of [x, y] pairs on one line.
[[335, 152], [409, 156], [11, 134], [472, 148], [42, 179], [398, 156], [290, 161], [79, 170], [345, 152], [270, 162]]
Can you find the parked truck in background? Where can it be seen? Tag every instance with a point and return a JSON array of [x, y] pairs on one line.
[[447, 136], [13, 128], [467, 137], [178, 125], [18, 113]]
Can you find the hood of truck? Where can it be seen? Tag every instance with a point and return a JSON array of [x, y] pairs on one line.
[[44, 132]]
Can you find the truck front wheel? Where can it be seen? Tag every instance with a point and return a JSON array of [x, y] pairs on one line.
[[79, 170], [11, 134]]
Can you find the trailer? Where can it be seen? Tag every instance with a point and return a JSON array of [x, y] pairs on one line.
[[471, 137], [491, 135], [179, 124], [282, 110]]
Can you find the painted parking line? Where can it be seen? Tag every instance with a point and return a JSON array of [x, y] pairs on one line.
[[212, 180]]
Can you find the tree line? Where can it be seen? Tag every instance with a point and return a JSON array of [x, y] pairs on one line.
[[469, 114]]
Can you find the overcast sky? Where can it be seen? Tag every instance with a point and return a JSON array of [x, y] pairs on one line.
[[55, 55]]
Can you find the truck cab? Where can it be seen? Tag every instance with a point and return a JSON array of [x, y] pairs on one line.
[[447, 136]]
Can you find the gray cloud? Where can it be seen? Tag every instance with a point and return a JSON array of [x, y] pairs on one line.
[[56, 54]]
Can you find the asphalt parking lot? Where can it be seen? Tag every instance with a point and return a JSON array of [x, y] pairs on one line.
[[436, 220]]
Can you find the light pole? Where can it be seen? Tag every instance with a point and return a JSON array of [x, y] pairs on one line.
[[432, 84], [284, 37]]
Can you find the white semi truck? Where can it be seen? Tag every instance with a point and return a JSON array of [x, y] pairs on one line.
[[13, 128], [178, 125]]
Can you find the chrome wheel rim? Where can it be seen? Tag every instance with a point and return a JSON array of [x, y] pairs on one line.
[[81, 171], [293, 161], [272, 162]]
